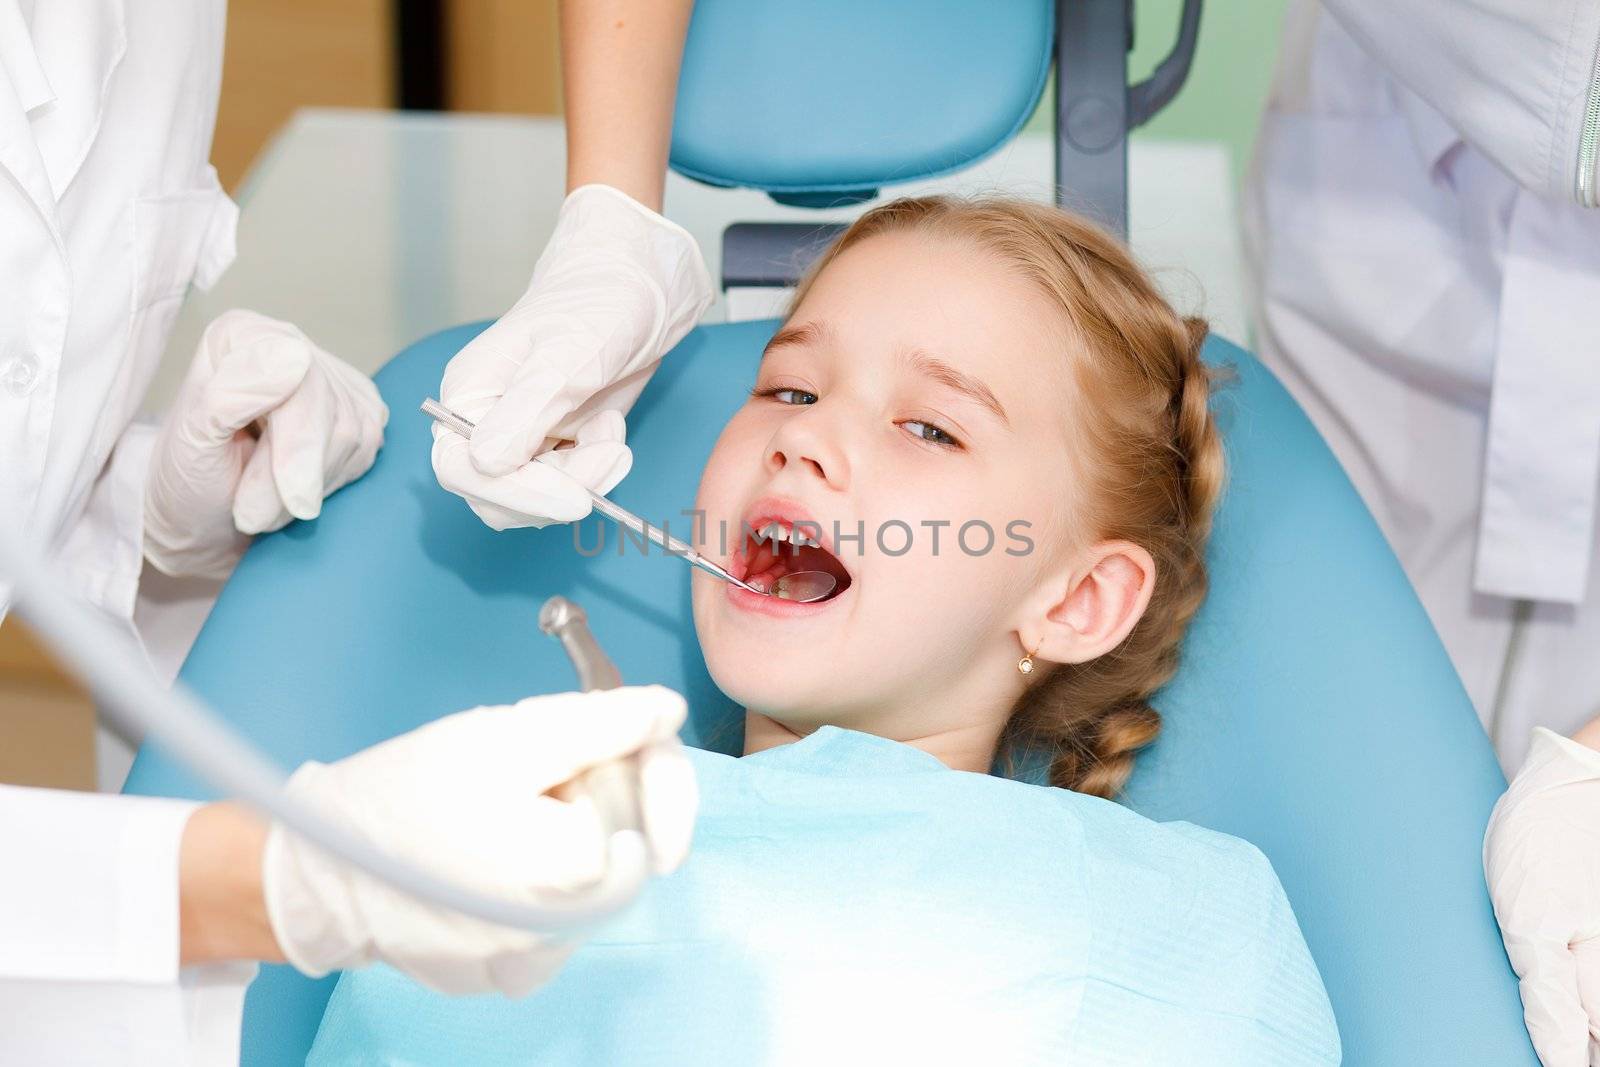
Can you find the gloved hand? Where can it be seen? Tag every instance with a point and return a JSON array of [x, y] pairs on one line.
[[469, 795], [616, 287], [213, 484], [1541, 856]]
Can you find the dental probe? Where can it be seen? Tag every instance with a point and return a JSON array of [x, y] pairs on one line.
[[614, 786], [801, 586]]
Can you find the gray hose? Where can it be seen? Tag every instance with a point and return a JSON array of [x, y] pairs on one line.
[[106, 659]]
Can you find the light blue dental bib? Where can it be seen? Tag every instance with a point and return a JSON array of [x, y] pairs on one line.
[[849, 899]]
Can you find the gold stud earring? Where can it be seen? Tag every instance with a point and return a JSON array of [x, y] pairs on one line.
[[1025, 664]]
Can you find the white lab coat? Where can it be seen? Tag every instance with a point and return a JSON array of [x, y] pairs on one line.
[[108, 212], [1427, 263]]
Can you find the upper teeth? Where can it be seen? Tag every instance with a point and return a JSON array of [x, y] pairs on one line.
[[776, 531]]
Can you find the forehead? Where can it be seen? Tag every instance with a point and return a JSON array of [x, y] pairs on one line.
[[949, 297]]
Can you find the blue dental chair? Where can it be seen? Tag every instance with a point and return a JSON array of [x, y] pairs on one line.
[[1316, 714]]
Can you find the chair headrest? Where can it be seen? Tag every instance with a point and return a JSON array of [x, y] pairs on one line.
[[819, 100]]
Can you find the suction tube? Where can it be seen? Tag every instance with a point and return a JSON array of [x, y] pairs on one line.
[[106, 659]]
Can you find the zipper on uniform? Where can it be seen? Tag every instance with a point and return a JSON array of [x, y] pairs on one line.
[[1589, 142]]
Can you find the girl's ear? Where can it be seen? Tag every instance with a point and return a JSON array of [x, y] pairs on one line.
[[1088, 609]]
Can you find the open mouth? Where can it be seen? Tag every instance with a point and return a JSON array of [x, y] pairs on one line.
[[776, 547]]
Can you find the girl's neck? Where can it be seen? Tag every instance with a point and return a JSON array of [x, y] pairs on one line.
[[967, 748]]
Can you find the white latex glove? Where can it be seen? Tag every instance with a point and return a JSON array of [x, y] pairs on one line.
[[1541, 856], [616, 287], [213, 484], [469, 796]]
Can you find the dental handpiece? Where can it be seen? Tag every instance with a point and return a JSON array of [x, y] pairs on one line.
[[613, 787]]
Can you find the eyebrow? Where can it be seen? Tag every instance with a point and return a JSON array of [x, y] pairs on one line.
[[811, 333], [960, 381], [807, 333]]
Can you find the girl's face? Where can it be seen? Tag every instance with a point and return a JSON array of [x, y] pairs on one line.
[[914, 415]]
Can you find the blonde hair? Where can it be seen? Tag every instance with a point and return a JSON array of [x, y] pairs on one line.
[[1154, 479]]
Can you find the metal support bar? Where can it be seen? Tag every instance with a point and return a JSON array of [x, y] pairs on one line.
[[1092, 41], [1157, 91]]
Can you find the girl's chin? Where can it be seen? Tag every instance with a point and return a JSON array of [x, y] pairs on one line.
[[763, 695], [786, 699], [800, 710]]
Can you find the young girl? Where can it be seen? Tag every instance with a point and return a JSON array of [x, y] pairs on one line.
[[981, 418]]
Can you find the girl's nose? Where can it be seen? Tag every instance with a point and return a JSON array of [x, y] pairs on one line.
[[805, 443]]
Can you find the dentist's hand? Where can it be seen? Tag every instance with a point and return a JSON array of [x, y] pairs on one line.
[[1542, 859], [470, 795], [267, 425], [617, 286]]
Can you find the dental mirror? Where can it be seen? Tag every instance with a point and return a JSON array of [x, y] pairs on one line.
[[802, 587]]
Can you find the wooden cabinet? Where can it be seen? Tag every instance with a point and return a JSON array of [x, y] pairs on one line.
[[503, 55], [497, 55], [46, 720], [286, 54]]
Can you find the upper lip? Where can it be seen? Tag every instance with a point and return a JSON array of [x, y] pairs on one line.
[[790, 513]]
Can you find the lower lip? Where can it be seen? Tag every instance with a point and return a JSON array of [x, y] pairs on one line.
[[776, 606]]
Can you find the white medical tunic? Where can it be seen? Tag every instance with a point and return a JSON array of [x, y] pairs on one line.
[[108, 212], [1420, 223]]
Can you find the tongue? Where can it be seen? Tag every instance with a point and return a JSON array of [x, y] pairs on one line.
[[759, 559], [778, 560], [769, 562]]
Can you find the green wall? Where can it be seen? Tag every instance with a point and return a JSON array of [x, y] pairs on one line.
[[1228, 82]]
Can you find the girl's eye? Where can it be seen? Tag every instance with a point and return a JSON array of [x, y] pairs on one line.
[[927, 431], [930, 432], [785, 395]]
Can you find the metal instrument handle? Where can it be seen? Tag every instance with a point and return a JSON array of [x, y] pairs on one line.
[[618, 514]]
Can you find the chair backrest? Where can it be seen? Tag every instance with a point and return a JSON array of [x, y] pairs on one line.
[[1316, 714]]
